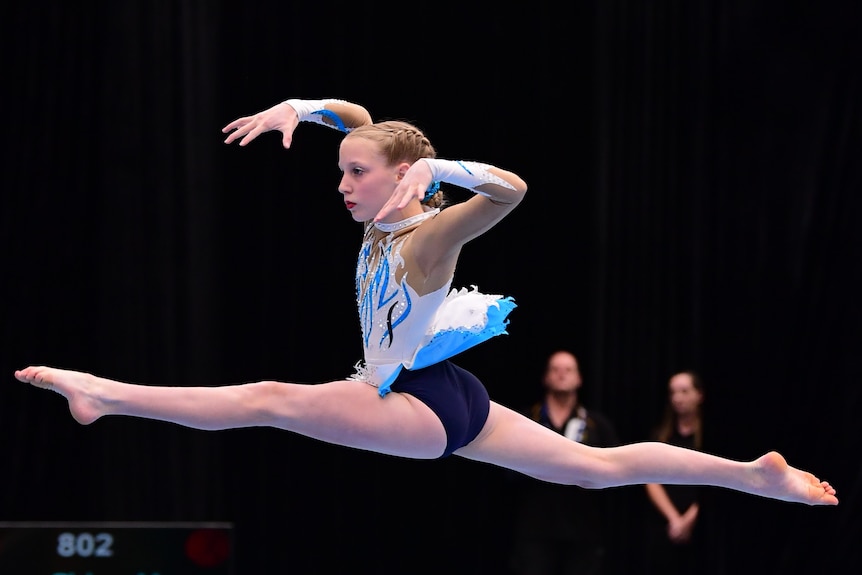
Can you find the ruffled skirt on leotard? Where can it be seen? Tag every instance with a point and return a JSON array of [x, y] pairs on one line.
[[465, 319]]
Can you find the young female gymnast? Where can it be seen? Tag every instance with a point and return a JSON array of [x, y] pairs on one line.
[[407, 398]]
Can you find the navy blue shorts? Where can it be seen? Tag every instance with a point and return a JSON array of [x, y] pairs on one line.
[[454, 394]]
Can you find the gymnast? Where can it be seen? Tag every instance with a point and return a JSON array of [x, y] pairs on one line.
[[406, 397]]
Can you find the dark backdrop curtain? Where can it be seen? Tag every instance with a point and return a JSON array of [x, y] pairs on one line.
[[695, 200]]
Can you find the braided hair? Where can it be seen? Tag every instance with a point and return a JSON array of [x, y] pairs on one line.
[[400, 142]]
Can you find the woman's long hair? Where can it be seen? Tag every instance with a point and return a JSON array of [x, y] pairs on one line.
[[668, 424]]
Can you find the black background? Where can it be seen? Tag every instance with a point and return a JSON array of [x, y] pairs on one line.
[[694, 202]]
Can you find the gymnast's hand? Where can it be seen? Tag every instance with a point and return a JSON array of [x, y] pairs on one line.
[[281, 117], [413, 185]]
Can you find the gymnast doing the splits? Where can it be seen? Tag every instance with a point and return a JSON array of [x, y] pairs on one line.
[[406, 397]]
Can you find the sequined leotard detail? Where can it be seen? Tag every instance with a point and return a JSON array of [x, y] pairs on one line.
[[400, 328]]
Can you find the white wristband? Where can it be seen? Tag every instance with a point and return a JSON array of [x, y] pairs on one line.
[[315, 110], [468, 175]]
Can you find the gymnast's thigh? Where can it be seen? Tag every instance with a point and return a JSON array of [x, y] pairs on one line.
[[352, 413]]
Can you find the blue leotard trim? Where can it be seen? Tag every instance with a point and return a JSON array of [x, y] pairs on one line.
[[339, 125]]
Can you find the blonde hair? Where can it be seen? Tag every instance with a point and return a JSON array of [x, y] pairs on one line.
[[400, 142]]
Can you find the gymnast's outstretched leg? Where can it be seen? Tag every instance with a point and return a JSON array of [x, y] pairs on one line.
[[512, 440], [348, 413]]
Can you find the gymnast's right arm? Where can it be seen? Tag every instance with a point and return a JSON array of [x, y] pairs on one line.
[[285, 116]]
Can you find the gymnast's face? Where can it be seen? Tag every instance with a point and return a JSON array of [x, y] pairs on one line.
[[367, 181]]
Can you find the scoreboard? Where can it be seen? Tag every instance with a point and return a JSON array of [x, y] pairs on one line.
[[116, 548]]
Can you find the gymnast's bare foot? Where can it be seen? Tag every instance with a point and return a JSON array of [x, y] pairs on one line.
[[81, 390], [776, 479]]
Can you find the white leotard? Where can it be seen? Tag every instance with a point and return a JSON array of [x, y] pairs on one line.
[[400, 328]]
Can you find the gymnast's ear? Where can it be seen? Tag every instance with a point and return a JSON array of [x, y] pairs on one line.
[[402, 169]]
